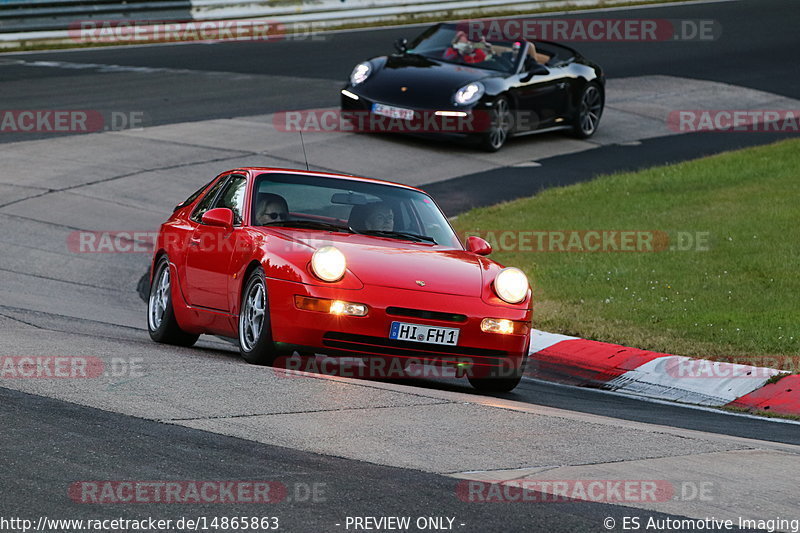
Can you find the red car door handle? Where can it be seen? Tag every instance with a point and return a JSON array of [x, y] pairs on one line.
[[194, 242]]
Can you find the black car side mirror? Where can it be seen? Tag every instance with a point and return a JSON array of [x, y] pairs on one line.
[[401, 45], [537, 69], [532, 68]]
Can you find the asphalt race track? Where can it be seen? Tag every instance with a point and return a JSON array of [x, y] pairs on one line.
[[758, 49], [371, 448], [140, 453]]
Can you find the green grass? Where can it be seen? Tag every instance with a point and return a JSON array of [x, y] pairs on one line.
[[737, 300], [759, 412]]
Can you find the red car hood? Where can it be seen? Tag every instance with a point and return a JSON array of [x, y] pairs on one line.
[[401, 264]]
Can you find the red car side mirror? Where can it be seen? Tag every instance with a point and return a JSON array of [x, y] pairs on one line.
[[478, 246], [221, 217]]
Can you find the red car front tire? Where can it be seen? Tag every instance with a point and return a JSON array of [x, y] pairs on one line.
[[497, 379], [255, 329]]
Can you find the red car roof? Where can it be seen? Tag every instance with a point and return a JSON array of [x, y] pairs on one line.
[[257, 170]]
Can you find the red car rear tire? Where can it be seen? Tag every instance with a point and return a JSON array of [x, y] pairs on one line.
[[161, 322]]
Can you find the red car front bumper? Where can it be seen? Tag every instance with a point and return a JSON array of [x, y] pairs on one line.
[[369, 335]]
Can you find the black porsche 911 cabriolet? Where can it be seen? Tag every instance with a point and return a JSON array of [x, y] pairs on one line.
[[508, 87]]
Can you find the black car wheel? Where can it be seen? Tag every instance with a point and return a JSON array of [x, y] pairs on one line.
[[590, 109], [500, 121], [255, 331], [161, 322]]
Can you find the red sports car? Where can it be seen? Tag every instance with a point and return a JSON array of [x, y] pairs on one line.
[[290, 260]]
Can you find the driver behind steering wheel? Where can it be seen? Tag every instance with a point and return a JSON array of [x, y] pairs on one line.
[[469, 52]]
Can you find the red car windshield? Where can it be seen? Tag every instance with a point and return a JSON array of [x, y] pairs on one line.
[[364, 207]]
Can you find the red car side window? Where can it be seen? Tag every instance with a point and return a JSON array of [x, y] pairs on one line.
[[208, 200], [232, 197]]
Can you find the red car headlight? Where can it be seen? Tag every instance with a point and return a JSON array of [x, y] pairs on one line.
[[511, 285], [328, 263]]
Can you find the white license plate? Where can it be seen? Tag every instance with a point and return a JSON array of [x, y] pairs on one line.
[[404, 331], [393, 112]]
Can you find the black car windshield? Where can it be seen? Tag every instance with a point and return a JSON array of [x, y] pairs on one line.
[[330, 204], [451, 44]]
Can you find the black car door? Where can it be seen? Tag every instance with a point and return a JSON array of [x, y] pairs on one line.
[[541, 94]]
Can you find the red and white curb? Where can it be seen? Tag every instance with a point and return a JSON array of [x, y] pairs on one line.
[[582, 362]]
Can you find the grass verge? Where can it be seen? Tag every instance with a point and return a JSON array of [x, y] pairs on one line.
[[731, 294], [765, 414]]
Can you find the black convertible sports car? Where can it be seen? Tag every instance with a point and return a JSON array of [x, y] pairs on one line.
[[508, 87]]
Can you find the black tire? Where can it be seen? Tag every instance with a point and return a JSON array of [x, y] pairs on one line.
[[589, 111], [161, 322], [495, 384], [502, 379], [500, 125], [255, 337]]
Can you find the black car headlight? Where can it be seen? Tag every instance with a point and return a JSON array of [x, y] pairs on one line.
[[470, 93], [360, 73]]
